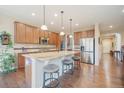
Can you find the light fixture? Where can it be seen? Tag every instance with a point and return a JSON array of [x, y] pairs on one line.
[[44, 27], [62, 27], [55, 15], [62, 33], [33, 14], [123, 10], [52, 23], [77, 24], [110, 26], [70, 36]]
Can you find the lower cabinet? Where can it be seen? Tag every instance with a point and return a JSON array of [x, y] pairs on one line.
[[21, 61]]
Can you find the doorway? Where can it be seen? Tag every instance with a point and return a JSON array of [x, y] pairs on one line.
[[107, 44]]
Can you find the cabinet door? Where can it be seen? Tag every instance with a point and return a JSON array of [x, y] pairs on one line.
[[19, 32], [21, 61], [50, 42], [84, 34], [92, 33], [57, 41], [54, 38], [36, 35], [42, 34], [29, 34], [46, 34], [77, 36], [51, 38]]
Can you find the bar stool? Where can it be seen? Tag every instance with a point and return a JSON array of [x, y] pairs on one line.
[[51, 76], [67, 65], [77, 60]]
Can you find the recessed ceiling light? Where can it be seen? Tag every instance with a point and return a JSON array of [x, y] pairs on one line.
[[77, 24], [33, 14], [110, 26], [63, 27], [55, 15], [52, 23], [123, 10]]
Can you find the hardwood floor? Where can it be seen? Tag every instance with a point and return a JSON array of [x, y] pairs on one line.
[[13, 80], [110, 73]]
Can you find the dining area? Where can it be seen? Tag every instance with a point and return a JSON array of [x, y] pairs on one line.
[[118, 54]]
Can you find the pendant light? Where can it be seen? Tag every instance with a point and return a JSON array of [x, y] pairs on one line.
[[44, 27], [70, 36], [62, 26]]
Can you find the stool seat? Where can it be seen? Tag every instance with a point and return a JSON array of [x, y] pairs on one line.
[[51, 76], [67, 65], [77, 61], [76, 58], [67, 61], [50, 68]]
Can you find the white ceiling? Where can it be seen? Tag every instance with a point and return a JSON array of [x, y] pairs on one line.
[[86, 16]]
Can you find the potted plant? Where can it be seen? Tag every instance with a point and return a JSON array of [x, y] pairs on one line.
[[7, 59]]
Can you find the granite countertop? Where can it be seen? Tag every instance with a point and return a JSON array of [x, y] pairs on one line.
[[50, 55]]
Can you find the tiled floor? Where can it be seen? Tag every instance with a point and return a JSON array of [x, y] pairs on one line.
[[110, 73]]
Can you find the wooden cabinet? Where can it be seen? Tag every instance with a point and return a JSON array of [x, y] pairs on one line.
[[21, 61], [36, 35], [26, 34], [82, 34], [77, 36], [42, 34], [90, 33], [19, 32], [52, 38], [29, 34], [46, 33], [57, 41]]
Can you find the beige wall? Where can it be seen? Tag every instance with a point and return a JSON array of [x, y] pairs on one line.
[[122, 37], [6, 24], [107, 45]]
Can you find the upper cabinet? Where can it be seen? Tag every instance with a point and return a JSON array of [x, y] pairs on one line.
[[91, 33], [20, 33], [27, 34], [36, 35], [82, 34], [77, 36], [52, 38]]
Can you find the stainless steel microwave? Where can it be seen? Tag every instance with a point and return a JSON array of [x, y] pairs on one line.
[[43, 41]]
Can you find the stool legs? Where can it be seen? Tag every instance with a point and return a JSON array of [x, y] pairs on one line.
[[51, 80], [77, 63], [67, 67]]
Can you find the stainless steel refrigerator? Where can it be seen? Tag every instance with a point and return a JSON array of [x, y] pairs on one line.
[[87, 47]]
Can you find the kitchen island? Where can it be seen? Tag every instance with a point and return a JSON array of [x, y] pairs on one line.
[[34, 64]]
